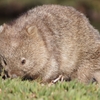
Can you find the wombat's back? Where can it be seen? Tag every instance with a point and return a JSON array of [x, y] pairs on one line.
[[68, 35], [68, 42]]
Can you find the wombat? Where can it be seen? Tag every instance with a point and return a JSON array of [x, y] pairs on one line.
[[49, 41]]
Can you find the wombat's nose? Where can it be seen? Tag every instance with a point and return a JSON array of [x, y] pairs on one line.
[[5, 75]]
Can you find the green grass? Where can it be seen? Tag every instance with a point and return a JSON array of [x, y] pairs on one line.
[[32, 90]]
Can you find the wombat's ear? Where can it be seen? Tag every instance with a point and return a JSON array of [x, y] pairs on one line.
[[6, 26], [32, 30], [1, 28]]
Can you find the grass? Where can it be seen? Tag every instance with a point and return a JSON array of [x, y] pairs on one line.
[[32, 90]]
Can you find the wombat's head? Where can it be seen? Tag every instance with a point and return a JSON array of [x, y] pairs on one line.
[[22, 53]]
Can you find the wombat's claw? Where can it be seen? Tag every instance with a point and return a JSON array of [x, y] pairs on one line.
[[60, 78]]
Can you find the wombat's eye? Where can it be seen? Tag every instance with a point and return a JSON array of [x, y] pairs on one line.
[[23, 61]]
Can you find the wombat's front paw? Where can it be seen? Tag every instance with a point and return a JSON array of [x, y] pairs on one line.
[[59, 78]]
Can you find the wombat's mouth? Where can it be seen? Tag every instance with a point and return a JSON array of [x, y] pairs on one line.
[[28, 77]]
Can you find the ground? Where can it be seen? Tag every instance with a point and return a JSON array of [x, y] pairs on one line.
[[16, 89]]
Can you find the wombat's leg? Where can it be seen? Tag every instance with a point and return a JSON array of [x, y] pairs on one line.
[[84, 74], [96, 75]]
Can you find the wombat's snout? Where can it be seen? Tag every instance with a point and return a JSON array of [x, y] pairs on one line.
[[3, 71]]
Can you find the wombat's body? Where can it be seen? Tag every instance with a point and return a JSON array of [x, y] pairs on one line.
[[49, 41]]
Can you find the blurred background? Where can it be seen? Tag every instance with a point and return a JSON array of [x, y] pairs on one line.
[[11, 9]]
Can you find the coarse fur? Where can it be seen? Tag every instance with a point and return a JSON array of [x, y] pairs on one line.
[[49, 41]]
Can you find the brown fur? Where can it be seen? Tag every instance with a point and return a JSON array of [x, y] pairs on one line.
[[49, 41]]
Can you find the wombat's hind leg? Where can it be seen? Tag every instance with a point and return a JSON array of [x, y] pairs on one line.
[[84, 75], [97, 76]]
